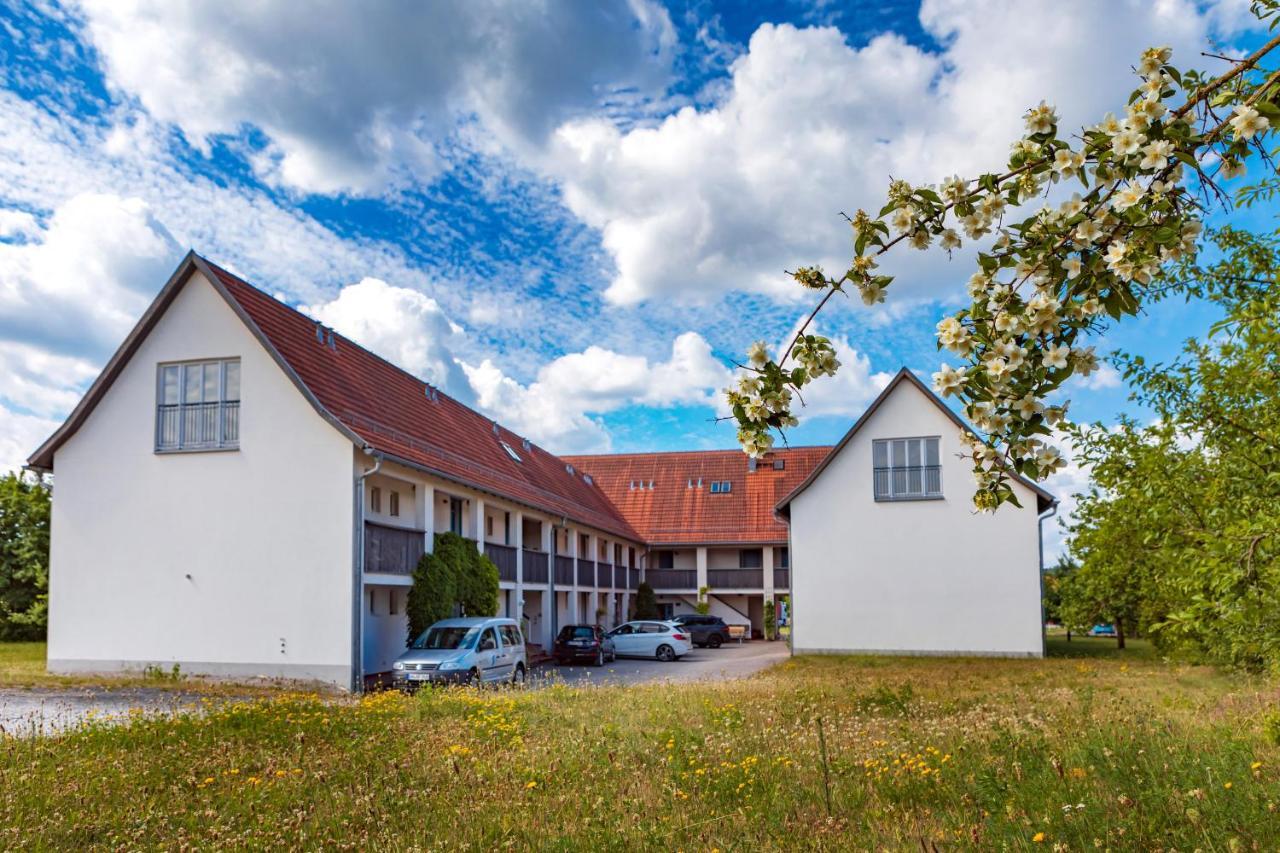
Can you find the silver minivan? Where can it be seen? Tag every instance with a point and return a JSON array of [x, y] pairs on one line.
[[464, 651]]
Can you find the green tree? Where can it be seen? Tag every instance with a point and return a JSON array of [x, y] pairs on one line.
[[24, 557], [770, 620], [454, 578], [432, 596], [478, 585], [1054, 577], [646, 603], [703, 606], [1184, 512]]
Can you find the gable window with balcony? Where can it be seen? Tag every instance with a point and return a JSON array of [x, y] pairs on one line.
[[906, 469], [198, 406]]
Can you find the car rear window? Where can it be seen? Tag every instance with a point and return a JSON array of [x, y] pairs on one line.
[[577, 632]]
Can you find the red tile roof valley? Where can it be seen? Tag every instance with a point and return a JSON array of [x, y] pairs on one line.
[[676, 510]]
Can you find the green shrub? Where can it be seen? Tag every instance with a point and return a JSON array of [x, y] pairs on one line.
[[646, 606], [454, 577]]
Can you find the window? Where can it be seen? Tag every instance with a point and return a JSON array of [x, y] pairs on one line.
[[510, 452], [666, 559], [198, 406], [906, 469], [488, 525], [509, 635], [393, 502], [652, 628], [375, 499], [721, 487], [751, 558], [488, 641], [393, 601], [784, 557], [455, 515], [779, 464]]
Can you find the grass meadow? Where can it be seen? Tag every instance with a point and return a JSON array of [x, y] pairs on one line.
[[1100, 750]]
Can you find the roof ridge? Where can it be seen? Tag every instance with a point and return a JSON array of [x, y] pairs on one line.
[[388, 362]]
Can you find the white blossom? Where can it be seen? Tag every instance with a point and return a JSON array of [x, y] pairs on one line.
[[1248, 122]]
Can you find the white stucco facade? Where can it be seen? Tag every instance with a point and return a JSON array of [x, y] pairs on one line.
[[233, 562], [912, 576]]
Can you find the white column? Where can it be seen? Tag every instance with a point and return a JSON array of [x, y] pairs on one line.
[[702, 568], [548, 599], [479, 505], [425, 513], [768, 572]]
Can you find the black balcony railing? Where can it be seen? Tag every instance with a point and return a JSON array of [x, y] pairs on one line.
[[198, 426], [394, 550], [564, 571], [915, 482], [735, 578], [782, 579], [604, 571], [535, 566], [586, 573], [633, 578], [619, 577], [504, 557], [672, 579]]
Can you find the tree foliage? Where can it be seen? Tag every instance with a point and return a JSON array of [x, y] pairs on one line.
[[646, 603], [1180, 533], [1050, 275], [24, 557], [455, 578]]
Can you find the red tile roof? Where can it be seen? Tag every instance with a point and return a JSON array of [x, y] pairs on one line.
[[392, 411], [378, 404], [673, 513]]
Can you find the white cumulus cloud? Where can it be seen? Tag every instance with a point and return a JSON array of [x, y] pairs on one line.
[[356, 97], [728, 197]]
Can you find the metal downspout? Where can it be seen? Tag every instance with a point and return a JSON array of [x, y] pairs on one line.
[[1053, 510], [357, 576]]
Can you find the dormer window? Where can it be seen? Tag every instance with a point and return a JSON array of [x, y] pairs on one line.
[[721, 487], [198, 405], [510, 452]]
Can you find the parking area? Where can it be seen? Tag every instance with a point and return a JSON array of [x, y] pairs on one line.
[[729, 661]]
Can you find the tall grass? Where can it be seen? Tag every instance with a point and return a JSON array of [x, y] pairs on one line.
[[1056, 754]]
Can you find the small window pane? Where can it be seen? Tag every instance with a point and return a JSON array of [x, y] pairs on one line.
[[231, 386], [193, 375], [210, 383], [931, 451], [880, 454], [169, 383], [913, 453]]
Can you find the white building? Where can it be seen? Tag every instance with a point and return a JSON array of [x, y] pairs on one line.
[[895, 558], [245, 492]]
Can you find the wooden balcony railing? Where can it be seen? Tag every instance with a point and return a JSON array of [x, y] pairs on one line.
[[393, 550], [683, 579], [504, 557], [782, 579], [735, 578], [564, 571], [535, 566]]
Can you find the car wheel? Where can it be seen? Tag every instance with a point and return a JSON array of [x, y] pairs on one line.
[[666, 654], [613, 656], [714, 641], [473, 678], [600, 658], [517, 677]]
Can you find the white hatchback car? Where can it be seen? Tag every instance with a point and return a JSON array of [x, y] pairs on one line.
[[665, 641]]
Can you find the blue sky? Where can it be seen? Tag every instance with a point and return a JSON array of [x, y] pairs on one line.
[[571, 216]]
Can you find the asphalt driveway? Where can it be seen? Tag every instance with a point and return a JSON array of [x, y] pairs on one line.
[[727, 662]]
